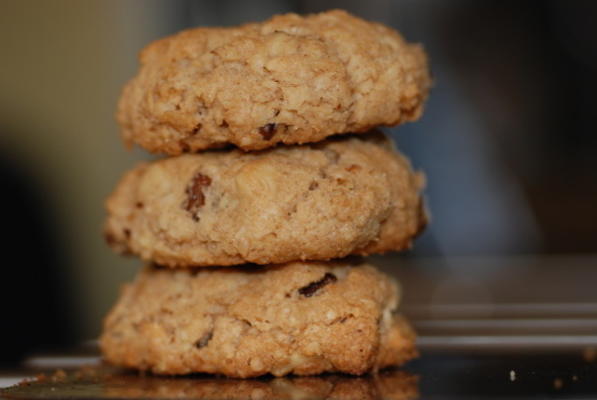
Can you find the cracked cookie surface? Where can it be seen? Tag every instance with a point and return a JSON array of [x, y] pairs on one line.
[[254, 321], [350, 195], [291, 79]]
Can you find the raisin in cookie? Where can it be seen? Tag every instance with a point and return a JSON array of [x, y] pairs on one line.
[[301, 318], [291, 79], [353, 195]]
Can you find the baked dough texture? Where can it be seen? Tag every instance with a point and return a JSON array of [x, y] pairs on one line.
[[300, 318], [291, 79], [352, 195]]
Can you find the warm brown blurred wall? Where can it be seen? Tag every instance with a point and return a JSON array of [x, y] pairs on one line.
[[62, 65]]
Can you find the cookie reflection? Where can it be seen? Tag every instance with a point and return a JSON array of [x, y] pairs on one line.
[[110, 384]]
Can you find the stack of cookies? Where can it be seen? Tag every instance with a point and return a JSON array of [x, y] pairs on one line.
[[274, 178]]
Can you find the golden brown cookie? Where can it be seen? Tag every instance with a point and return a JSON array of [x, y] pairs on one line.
[[291, 79], [353, 195], [301, 318]]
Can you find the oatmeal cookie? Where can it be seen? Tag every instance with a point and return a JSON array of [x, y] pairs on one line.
[[302, 318], [291, 79], [353, 195]]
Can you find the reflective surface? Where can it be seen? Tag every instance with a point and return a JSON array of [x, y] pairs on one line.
[[570, 375], [104, 383], [514, 375]]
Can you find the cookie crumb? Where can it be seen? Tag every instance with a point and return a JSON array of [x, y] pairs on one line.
[[58, 375], [589, 354]]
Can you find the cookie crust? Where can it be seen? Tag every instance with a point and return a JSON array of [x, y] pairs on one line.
[[245, 323], [353, 195], [291, 79]]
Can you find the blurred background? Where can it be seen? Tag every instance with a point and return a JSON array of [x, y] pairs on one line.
[[508, 140]]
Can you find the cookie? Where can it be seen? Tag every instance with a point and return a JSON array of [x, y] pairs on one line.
[[353, 195], [291, 79], [301, 318]]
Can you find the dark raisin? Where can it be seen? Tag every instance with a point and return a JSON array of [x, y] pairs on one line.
[[204, 340], [184, 146], [139, 204], [313, 185], [196, 129], [313, 287], [345, 318], [195, 196], [224, 124], [268, 131], [127, 233]]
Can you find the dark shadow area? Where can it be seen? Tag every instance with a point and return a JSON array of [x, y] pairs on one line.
[[35, 296]]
